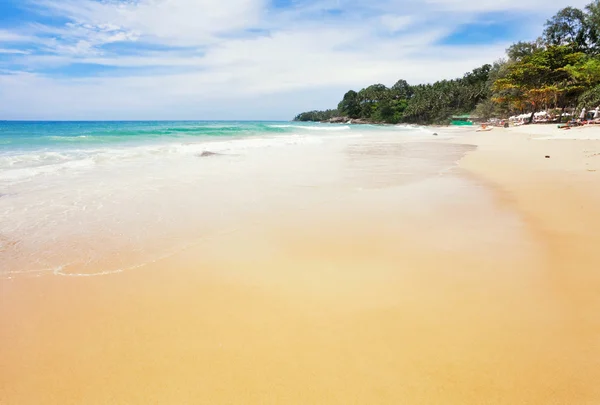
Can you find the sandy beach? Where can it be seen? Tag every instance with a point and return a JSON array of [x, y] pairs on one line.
[[469, 275]]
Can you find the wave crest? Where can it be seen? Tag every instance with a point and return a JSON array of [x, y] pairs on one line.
[[316, 128]]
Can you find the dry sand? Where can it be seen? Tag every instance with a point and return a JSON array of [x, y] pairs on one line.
[[490, 295]]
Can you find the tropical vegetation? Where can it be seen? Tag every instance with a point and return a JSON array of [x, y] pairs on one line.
[[559, 70], [317, 115]]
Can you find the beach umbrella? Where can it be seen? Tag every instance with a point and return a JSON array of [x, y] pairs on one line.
[[582, 116], [596, 112]]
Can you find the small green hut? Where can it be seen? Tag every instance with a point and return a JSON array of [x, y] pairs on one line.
[[462, 120]]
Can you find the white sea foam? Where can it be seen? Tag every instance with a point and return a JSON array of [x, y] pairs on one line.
[[317, 128], [245, 144], [414, 129], [21, 168], [77, 138], [24, 166]]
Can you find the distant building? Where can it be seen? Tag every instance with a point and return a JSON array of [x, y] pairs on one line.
[[465, 119]]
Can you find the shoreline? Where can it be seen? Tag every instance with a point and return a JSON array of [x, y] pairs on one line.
[[459, 286]]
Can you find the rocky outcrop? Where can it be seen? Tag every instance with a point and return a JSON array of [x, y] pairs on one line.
[[347, 120], [363, 121], [336, 120]]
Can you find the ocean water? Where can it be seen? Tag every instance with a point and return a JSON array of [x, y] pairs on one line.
[[30, 149], [87, 198]]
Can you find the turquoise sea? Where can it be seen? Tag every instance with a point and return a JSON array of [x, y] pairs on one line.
[[28, 135], [29, 149]]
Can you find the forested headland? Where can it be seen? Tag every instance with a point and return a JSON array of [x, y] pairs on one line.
[[559, 70]]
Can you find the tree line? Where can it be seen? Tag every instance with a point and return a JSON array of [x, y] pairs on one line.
[[559, 70]]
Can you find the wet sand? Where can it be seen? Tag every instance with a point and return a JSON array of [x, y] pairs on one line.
[[476, 285]]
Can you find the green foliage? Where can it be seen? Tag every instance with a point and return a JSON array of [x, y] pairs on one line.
[[560, 69], [486, 109], [593, 24], [423, 104], [317, 115], [377, 102], [350, 106], [402, 90], [436, 103], [500, 70], [543, 79], [516, 52], [586, 71], [590, 98], [568, 27], [390, 111]]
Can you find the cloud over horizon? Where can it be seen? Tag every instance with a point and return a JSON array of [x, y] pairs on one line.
[[238, 59]]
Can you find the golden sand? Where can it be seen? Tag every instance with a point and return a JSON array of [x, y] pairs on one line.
[[493, 297]]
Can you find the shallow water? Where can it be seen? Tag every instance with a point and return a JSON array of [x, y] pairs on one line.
[[140, 192]]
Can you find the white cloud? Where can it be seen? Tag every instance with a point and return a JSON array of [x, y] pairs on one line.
[[189, 59], [504, 5], [13, 51], [176, 22], [11, 36], [249, 82], [396, 23]]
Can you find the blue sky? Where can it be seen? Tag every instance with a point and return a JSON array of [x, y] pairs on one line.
[[239, 59]]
